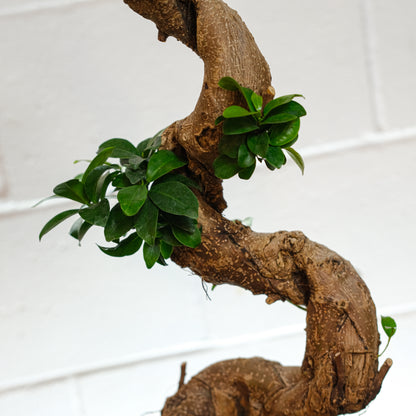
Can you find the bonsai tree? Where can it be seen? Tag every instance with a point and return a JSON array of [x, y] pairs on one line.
[[169, 202]]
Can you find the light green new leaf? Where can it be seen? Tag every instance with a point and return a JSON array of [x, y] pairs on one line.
[[174, 198], [162, 163], [56, 220], [297, 158], [257, 101], [389, 325], [132, 199]]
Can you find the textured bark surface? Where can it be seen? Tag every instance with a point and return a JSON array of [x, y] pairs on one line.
[[339, 373]]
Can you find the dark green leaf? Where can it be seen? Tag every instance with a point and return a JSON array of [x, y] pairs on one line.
[[117, 224], [278, 118], [176, 177], [247, 172], [100, 159], [225, 167], [297, 158], [257, 101], [165, 249], [187, 239], [275, 157], [126, 247], [277, 102], [161, 260], [235, 111], [240, 125], [79, 229], [228, 83], [289, 144], [291, 107], [96, 214], [229, 145], [136, 175], [245, 157], [162, 163], [56, 220], [72, 189], [92, 181], [389, 325], [166, 235], [259, 143], [174, 198], [151, 254], [247, 94], [122, 148], [219, 120], [281, 134], [104, 183], [132, 199], [135, 162], [121, 181], [146, 222], [185, 223]]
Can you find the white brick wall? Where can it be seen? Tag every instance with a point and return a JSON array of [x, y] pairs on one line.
[[82, 334]]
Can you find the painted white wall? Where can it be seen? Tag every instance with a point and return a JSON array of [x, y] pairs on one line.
[[86, 335]]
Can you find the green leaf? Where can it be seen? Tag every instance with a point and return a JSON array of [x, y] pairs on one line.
[[165, 249], [45, 199], [146, 222], [148, 146], [291, 107], [96, 214], [245, 157], [389, 325], [247, 172], [132, 199], [56, 220], [162, 163], [281, 134], [275, 157], [79, 229], [121, 181], [174, 198], [185, 223], [187, 239], [225, 167], [126, 247], [228, 83], [292, 142], [104, 183], [277, 102], [270, 166], [166, 235], [134, 162], [247, 93], [92, 182], [176, 177], [235, 111], [121, 148], [151, 254], [219, 120], [100, 159], [259, 143], [229, 145], [278, 118], [297, 158], [240, 125], [72, 189], [117, 224], [136, 175], [257, 101]]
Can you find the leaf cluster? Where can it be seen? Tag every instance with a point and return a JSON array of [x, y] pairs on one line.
[[257, 133], [151, 203]]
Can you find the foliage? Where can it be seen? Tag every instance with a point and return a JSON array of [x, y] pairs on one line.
[[153, 201], [257, 133], [389, 327]]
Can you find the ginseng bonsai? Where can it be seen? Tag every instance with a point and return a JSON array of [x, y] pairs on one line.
[[168, 199]]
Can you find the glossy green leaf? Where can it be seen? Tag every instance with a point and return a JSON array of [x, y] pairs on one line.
[[247, 94], [135, 162], [146, 222], [126, 247], [151, 254], [275, 157], [162, 163], [187, 239], [291, 107], [389, 325], [72, 189], [136, 175], [165, 234], [245, 157], [259, 143], [277, 102], [118, 224], [100, 159], [105, 182], [270, 166], [247, 172], [176, 177], [289, 144], [240, 125], [228, 83], [297, 158], [150, 145], [96, 214], [257, 101], [225, 167], [278, 118], [165, 249], [235, 111], [56, 220], [132, 199], [281, 134], [229, 145], [79, 229], [45, 199], [93, 182], [122, 148], [185, 223], [174, 198]]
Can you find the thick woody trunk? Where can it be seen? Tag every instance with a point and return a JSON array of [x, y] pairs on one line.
[[339, 373]]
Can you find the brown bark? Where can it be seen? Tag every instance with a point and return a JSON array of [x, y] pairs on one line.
[[339, 373]]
